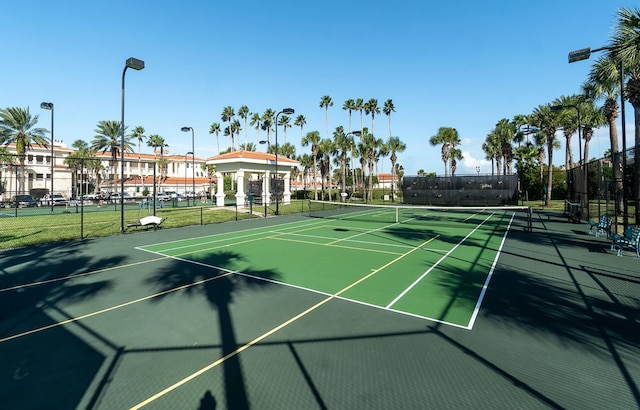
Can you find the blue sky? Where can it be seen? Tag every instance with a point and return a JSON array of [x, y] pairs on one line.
[[462, 64]]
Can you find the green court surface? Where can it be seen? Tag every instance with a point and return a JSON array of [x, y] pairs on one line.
[[435, 269]]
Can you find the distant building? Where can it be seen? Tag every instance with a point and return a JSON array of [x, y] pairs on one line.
[[179, 176]]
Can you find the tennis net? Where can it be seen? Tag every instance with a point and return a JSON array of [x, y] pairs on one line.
[[388, 214]]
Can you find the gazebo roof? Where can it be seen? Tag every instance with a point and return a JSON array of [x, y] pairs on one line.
[[251, 161], [251, 157]]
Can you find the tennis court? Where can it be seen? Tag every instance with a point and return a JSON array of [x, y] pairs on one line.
[[352, 308], [434, 264]]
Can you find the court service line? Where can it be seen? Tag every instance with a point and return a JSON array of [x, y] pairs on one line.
[[78, 275], [131, 302], [392, 245], [269, 333], [485, 286], [404, 292], [265, 228], [338, 246]]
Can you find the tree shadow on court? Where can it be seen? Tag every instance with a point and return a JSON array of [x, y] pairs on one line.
[[546, 295], [218, 286], [43, 362]]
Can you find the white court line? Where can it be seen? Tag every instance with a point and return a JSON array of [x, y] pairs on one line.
[[476, 310], [437, 263], [361, 242]]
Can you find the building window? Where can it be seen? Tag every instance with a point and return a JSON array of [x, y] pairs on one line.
[[39, 159], [39, 177]]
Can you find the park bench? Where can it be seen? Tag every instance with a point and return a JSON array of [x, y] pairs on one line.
[[602, 226], [629, 239], [150, 220]]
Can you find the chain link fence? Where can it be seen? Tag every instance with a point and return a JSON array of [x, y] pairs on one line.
[[78, 198], [605, 187]]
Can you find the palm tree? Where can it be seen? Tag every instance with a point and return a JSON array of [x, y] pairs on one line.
[[569, 123], [604, 83], [19, 127], [215, 129], [81, 158], [325, 148], [387, 109], [300, 121], [247, 146], [395, 146], [349, 105], [256, 123], [625, 48], [108, 139], [313, 138], [456, 155], [138, 133], [158, 143], [283, 121], [306, 161], [591, 117], [371, 146], [547, 121], [325, 102], [287, 150], [492, 148], [243, 113], [359, 106], [342, 144], [227, 116], [504, 133], [268, 118], [448, 138], [371, 108], [362, 153], [230, 131]]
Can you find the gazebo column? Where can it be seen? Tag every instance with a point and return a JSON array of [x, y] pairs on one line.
[[286, 195], [220, 189], [240, 196], [266, 191]]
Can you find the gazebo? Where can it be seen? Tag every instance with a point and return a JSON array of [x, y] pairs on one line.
[[246, 165]]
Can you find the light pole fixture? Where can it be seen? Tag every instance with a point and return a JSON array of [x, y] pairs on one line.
[[193, 161], [49, 106], [287, 111], [136, 65], [584, 54]]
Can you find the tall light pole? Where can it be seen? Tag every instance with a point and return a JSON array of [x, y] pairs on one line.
[[49, 106], [584, 54], [478, 170], [136, 65], [193, 161], [185, 175], [287, 111]]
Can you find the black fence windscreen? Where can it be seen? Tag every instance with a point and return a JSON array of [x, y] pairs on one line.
[[469, 190]]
